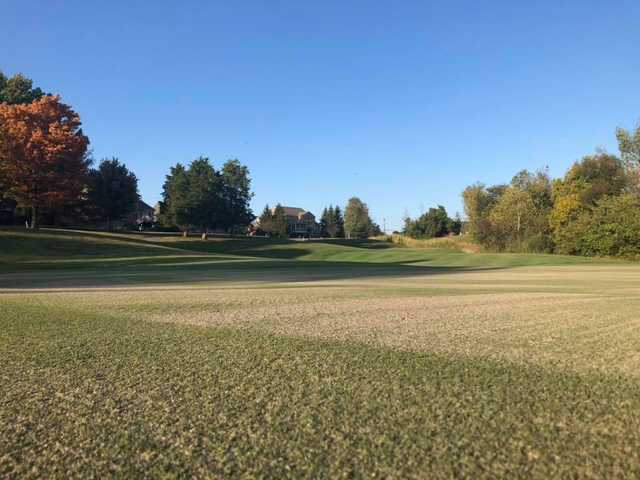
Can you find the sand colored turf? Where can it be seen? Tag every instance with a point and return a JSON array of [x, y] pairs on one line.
[[288, 361], [582, 318]]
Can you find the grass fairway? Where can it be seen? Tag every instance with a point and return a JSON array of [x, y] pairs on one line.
[[162, 357]]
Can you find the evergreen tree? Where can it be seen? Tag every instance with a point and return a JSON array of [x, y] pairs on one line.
[[112, 191], [338, 221], [205, 198], [18, 90], [174, 208], [236, 196], [375, 230], [456, 224], [324, 223], [332, 223], [266, 219]]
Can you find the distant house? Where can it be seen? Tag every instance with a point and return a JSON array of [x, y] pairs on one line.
[[300, 223], [144, 214]]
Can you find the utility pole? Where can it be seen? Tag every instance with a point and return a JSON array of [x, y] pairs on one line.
[[384, 226]]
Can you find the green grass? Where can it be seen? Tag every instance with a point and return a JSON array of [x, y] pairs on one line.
[[153, 356], [19, 246], [91, 395], [74, 259]]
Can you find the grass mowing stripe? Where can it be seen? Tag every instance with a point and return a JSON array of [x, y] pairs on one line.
[[92, 395]]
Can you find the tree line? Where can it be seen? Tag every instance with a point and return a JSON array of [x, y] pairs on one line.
[[432, 224], [593, 210], [199, 196], [356, 223], [46, 169]]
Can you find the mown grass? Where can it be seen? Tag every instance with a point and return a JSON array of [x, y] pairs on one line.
[[272, 359], [66, 259], [19, 246], [96, 395]]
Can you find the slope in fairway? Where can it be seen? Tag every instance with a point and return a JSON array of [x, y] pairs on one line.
[[164, 357]]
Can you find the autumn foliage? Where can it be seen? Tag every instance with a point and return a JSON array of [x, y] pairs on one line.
[[42, 153]]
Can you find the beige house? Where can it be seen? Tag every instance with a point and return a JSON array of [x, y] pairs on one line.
[[300, 223]]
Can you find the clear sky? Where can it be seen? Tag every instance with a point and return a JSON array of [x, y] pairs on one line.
[[400, 103]]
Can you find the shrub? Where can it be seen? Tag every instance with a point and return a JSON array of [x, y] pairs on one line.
[[613, 228]]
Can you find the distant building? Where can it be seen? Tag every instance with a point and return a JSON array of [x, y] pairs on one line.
[[300, 223], [144, 214]]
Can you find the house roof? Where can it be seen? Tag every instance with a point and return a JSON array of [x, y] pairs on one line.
[[292, 211], [143, 206]]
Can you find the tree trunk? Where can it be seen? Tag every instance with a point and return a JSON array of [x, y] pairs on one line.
[[185, 233], [108, 224], [34, 217]]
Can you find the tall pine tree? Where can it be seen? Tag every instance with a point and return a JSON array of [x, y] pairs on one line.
[[338, 220]]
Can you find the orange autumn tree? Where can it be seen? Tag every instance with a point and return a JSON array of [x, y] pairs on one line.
[[43, 154]]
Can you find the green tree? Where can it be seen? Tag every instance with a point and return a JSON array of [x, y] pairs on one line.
[[273, 221], [375, 230], [236, 196], [324, 222], [478, 202], [331, 222], [18, 90], [338, 222], [512, 219], [357, 223], [594, 177], [204, 196], [538, 185], [574, 196], [265, 220], [612, 228], [434, 223], [456, 224], [279, 222], [629, 144], [112, 191], [174, 206], [536, 205]]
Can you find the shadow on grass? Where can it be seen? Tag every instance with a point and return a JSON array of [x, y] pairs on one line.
[[229, 244], [485, 417], [192, 271]]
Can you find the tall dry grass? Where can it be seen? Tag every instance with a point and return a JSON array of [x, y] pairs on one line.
[[458, 243]]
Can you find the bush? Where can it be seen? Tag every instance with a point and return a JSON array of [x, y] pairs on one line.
[[538, 243], [613, 228]]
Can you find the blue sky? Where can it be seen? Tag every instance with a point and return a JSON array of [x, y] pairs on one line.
[[400, 103]]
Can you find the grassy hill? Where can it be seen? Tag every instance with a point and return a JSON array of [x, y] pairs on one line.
[[48, 246], [77, 258]]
